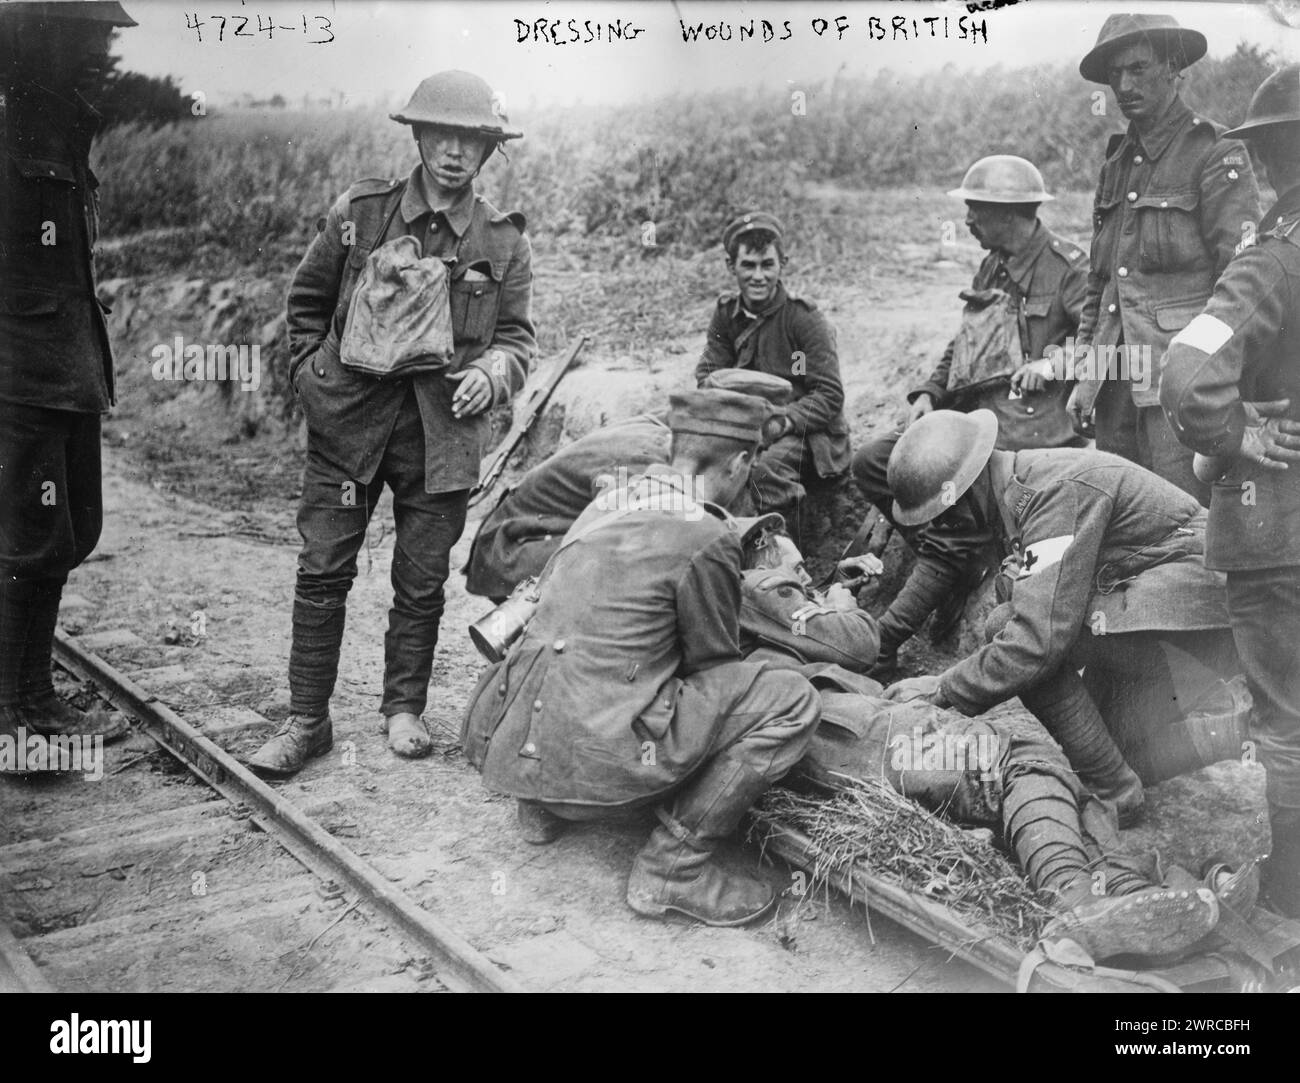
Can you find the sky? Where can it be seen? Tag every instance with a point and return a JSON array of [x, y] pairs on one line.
[[382, 48]]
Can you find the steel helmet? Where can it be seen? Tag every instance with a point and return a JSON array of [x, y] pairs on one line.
[[91, 11], [1276, 102], [457, 99], [1003, 178], [936, 460]]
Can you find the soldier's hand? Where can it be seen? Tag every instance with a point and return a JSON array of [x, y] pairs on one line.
[[921, 406], [913, 688], [864, 566], [1080, 405], [839, 598], [473, 396], [1033, 376], [1270, 439]]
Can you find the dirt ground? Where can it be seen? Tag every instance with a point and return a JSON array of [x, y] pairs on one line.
[[555, 915]]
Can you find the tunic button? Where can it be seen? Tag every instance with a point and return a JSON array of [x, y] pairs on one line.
[[1110, 308], [1137, 159], [1164, 203], [537, 705], [501, 689], [320, 372], [530, 748], [1029, 409], [559, 646], [1123, 272], [1132, 197]]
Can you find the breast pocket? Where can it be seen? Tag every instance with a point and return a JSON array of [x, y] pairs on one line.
[[475, 296], [1105, 225], [1169, 232]]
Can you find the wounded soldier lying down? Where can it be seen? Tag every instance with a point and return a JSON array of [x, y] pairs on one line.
[[983, 772]]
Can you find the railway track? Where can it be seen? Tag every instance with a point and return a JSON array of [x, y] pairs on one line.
[[176, 869]]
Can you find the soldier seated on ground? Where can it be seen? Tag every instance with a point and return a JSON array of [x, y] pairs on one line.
[[627, 689], [976, 771], [1021, 308], [763, 328], [1106, 576]]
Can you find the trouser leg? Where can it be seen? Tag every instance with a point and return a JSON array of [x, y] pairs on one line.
[[1165, 697], [428, 525], [1163, 454], [1265, 610], [332, 519]]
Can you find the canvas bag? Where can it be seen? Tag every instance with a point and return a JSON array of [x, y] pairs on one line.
[[399, 319], [989, 341]]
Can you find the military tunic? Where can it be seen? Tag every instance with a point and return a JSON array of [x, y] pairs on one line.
[[1170, 209], [629, 675], [1245, 347], [1047, 281], [1104, 547], [350, 414], [790, 339]]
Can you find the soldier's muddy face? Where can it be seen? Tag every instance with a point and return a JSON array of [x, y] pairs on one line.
[[1143, 84], [757, 274], [451, 156], [64, 54]]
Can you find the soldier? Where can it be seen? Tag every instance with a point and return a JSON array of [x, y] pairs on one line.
[[1174, 200], [1231, 388], [762, 327], [1106, 575], [519, 535], [627, 688], [987, 773], [1022, 306], [421, 426], [56, 368]]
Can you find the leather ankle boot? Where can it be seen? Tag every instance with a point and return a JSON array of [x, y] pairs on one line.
[[298, 740], [50, 715], [675, 871]]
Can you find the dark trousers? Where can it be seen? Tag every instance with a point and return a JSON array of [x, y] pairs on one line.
[[1142, 434], [332, 519], [51, 511], [51, 504], [1265, 610]]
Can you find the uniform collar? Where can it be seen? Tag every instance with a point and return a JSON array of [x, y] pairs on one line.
[[1156, 141], [1288, 203], [457, 215], [1020, 267], [779, 298]]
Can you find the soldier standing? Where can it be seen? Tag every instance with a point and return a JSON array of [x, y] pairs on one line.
[[1175, 199], [422, 426], [56, 368], [1023, 304], [1231, 388]]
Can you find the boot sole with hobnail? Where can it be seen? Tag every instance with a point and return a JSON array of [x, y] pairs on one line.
[[1151, 923]]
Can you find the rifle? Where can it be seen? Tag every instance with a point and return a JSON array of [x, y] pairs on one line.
[[492, 470]]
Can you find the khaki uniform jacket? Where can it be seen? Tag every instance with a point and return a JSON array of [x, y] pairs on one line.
[[1245, 347], [626, 614], [1102, 547], [54, 349], [526, 527], [790, 339], [1049, 279], [351, 414], [1171, 207]]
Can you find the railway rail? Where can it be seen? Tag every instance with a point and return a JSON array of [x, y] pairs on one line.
[[200, 877]]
